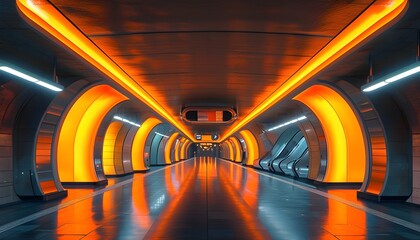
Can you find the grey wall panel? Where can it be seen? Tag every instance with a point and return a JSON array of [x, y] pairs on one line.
[[264, 144], [398, 181], [50, 124], [24, 140], [415, 196], [154, 149], [99, 145], [317, 146], [126, 150], [118, 150], [388, 173], [161, 151], [8, 110]]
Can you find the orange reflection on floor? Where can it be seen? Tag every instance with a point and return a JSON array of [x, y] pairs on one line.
[[140, 203], [165, 218], [169, 184], [77, 220], [252, 224], [343, 219], [250, 191]]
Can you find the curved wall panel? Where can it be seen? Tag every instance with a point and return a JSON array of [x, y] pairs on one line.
[[12, 96], [76, 139], [160, 151], [237, 149], [178, 146], [127, 150], [117, 146], [251, 147], [44, 179], [154, 150], [315, 138], [32, 143], [344, 134], [184, 149], [139, 150], [169, 148], [390, 175], [109, 148]]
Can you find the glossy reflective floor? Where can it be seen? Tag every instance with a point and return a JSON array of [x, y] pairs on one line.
[[205, 198]]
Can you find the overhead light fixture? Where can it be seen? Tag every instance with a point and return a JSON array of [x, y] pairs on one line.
[[46, 84], [392, 77], [160, 134], [287, 123], [126, 121]]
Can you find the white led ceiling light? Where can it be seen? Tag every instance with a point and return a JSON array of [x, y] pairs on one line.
[[160, 134], [287, 123], [126, 121], [392, 77], [44, 83]]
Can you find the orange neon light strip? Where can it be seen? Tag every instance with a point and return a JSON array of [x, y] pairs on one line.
[[378, 16], [169, 147], [251, 146], [345, 143], [139, 142], [49, 20]]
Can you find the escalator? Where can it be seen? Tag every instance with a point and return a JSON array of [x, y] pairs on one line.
[[300, 167], [298, 151], [289, 148], [289, 155], [281, 148]]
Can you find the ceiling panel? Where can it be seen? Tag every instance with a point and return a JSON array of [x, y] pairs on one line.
[[220, 53]]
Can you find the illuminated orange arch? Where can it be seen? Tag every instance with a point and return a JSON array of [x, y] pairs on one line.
[[237, 149], [231, 155], [251, 146], [108, 151], [169, 147], [225, 150], [177, 147], [76, 140], [139, 142], [184, 149], [346, 150]]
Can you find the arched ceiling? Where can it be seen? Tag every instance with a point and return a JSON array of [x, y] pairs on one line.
[[199, 53]]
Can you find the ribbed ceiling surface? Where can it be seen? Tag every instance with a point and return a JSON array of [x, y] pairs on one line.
[[211, 53]]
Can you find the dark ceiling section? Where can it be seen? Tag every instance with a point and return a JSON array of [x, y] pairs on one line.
[[211, 53], [23, 46]]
